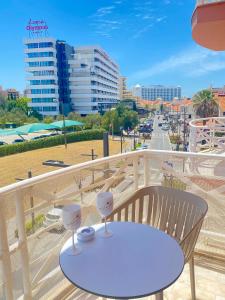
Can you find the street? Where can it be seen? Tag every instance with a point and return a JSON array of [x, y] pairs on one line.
[[160, 138]]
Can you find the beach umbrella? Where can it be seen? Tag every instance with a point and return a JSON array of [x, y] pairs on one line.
[[7, 132], [66, 123], [35, 127]]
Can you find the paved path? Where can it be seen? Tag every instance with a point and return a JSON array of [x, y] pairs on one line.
[[160, 138]]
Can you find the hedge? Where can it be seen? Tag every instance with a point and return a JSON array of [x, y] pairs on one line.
[[52, 141], [30, 228]]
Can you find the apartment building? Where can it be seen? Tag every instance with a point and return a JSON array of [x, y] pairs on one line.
[[62, 78], [94, 80], [42, 78]]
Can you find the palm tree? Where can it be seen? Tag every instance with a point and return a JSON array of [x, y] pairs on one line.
[[205, 104]]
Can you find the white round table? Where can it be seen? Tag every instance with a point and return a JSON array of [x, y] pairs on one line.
[[137, 261]]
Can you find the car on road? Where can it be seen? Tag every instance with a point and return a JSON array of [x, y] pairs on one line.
[[37, 137], [54, 216], [18, 141], [165, 126], [144, 146]]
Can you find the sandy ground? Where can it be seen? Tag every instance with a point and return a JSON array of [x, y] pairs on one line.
[[18, 165]]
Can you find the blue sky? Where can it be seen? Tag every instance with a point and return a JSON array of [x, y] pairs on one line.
[[150, 40]]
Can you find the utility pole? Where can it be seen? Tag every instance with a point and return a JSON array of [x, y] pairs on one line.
[[184, 137], [64, 125], [121, 139]]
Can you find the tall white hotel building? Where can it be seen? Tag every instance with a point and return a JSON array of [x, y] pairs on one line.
[[62, 78], [94, 80], [41, 68]]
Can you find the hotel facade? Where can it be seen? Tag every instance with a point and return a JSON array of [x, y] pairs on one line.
[[62, 78], [153, 92]]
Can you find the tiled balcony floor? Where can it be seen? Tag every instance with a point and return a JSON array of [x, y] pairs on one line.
[[210, 285]]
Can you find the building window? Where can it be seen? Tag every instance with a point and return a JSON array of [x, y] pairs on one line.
[[37, 108], [40, 54], [42, 82], [43, 73], [32, 45], [43, 91], [49, 108], [45, 45], [42, 100], [41, 63]]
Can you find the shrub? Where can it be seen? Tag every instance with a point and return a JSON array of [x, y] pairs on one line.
[[52, 141], [175, 183], [175, 139], [29, 228]]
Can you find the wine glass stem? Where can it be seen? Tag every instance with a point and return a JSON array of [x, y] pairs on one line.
[[106, 231], [73, 234]]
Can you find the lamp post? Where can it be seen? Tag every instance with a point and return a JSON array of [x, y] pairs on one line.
[[64, 125], [112, 121], [134, 140], [121, 139]]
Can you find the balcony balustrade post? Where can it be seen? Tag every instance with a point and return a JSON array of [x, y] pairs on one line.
[[5, 256], [146, 170], [136, 176], [24, 255]]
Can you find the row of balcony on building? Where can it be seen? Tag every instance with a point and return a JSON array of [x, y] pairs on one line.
[[67, 78]]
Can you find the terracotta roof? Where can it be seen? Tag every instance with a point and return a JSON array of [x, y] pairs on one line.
[[220, 99]]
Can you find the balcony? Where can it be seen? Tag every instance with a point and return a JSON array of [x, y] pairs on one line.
[[207, 134], [208, 24], [29, 258]]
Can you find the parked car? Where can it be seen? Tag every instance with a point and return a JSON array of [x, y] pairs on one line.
[[160, 124], [54, 216], [36, 137], [53, 134], [165, 126], [18, 141], [144, 146]]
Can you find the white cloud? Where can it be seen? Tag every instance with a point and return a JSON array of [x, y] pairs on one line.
[[193, 62], [103, 11]]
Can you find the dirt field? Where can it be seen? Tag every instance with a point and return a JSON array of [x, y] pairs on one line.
[[18, 165]]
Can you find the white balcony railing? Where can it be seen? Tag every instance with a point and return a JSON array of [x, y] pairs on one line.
[[208, 133], [29, 256]]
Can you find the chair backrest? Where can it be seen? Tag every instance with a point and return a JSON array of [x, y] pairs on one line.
[[179, 214]]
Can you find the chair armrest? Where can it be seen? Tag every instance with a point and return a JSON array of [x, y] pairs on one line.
[[189, 240]]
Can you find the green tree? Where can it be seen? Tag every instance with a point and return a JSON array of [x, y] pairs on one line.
[[111, 120], [74, 116], [93, 121], [121, 116], [129, 120], [59, 118], [205, 104], [3, 101], [48, 119]]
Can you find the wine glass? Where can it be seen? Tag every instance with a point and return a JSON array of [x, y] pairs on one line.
[[104, 203], [72, 220]]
